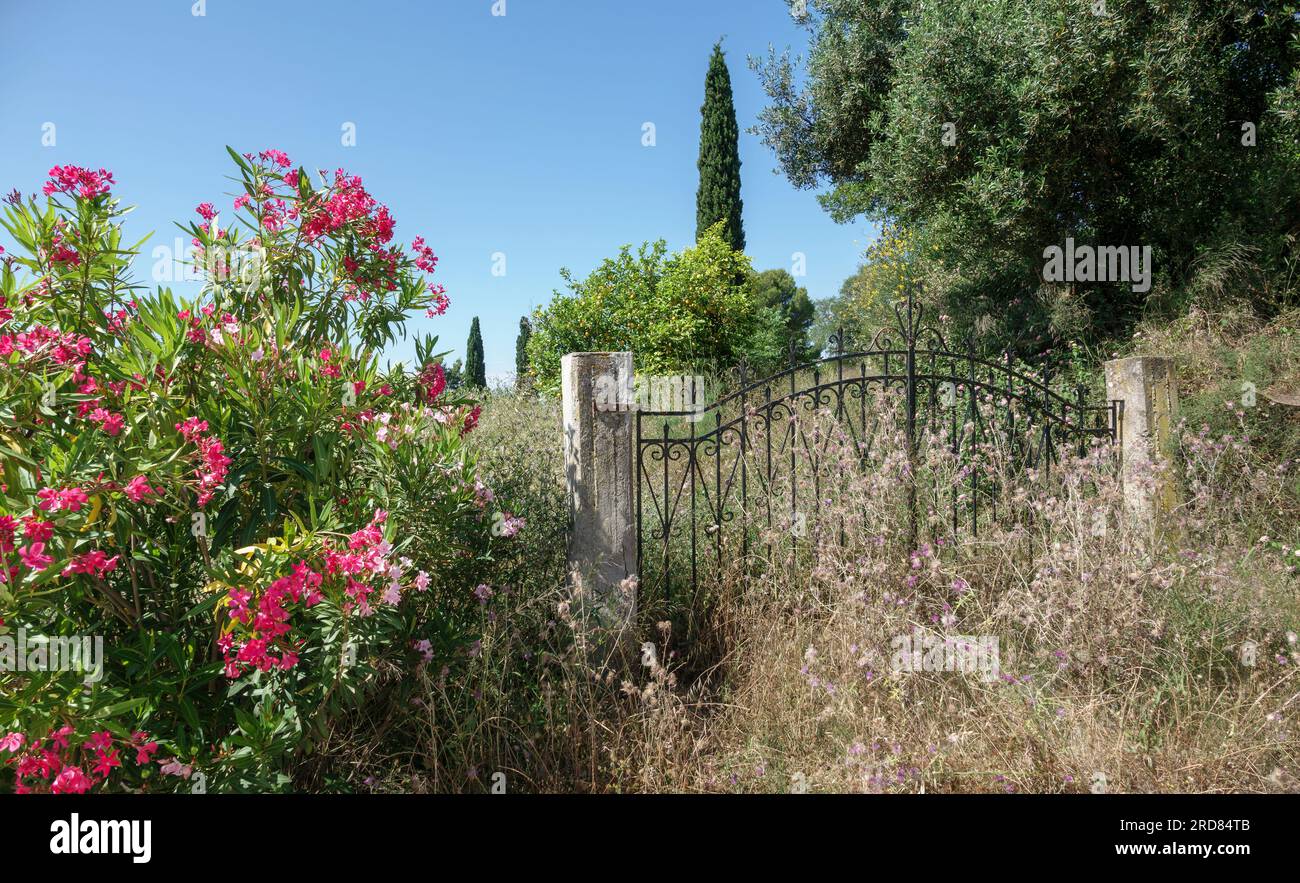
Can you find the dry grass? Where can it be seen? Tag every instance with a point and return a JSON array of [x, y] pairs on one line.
[[1121, 654], [1121, 662]]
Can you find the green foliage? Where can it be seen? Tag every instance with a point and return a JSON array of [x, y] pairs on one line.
[[681, 313], [718, 198], [215, 449], [1231, 367], [475, 371], [866, 299], [455, 375], [1116, 129], [521, 351], [778, 290]]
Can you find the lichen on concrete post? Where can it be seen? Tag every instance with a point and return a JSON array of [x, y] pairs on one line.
[[599, 458], [1148, 387]]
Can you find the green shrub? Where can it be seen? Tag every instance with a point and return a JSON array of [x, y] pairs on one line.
[[689, 312], [258, 523]]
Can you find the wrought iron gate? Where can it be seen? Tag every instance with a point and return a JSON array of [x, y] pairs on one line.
[[695, 466]]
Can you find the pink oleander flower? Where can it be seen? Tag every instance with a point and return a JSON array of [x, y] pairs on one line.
[[511, 524], [192, 428], [72, 780], [328, 368], [213, 465], [137, 490], [34, 557], [11, 742], [106, 760], [349, 204], [60, 737], [206, 211], [63, 254], [76, 181], [109, 422], [269, 623], [144, 749], [174, 767], [422, 581], [440, 301], [279, 157], [37, 530], [95, 562], [100, 740], [434, 380], [69, 499], [425, 259], [471, 420]]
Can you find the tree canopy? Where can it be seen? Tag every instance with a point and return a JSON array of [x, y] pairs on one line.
[[778, 290], [994, 129]]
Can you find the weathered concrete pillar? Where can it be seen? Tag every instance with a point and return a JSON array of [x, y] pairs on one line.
[[599, 458], [1148, 387]]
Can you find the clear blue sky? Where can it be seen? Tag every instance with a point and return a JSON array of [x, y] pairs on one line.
[[518, 134]]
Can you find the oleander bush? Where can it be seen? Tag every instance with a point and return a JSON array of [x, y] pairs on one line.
[[268, 531]]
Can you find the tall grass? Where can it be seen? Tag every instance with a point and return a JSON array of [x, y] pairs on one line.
[[1128, 660]]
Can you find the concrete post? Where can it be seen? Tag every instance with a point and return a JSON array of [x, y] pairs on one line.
[[599, 459], [1148, 387]]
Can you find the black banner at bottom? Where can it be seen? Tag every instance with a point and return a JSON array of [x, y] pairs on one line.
[[148, 834]]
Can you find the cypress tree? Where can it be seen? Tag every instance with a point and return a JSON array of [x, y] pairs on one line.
[[718, 198], [475, 371], [521, 351]]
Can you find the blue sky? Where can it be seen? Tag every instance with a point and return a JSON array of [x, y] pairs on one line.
[[518, 134]]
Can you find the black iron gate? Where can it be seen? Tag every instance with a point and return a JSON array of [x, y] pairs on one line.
[[697, 467]]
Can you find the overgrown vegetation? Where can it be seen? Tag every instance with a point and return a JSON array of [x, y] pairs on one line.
[[1123, 659], [311, 573]]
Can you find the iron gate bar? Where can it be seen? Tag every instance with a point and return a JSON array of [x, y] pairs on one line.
[[941, 365]]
